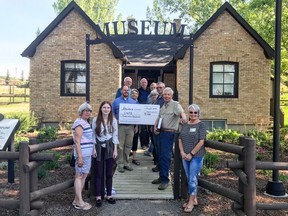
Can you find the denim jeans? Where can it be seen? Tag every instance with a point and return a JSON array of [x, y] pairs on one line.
[[156, 148], [166, 141], [192, 169]]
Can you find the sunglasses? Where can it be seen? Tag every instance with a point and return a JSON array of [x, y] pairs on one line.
[[88, 110], [193, 112]]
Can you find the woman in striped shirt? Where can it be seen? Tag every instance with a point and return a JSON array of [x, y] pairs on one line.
[[192, 150], [83, 149]]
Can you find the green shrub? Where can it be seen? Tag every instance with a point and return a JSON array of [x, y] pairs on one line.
[[28, 122], [227, 136], [268, 173], [210, 160], [41, 172], [68, 157], [49, 165], [284, 139], [3, 165], [47, 134], [263, 139], [206, 171], [17, 141]]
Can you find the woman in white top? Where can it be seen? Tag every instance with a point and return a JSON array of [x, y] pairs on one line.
[[105, 130]]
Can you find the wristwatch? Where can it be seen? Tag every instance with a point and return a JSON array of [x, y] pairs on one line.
[[191, 154]]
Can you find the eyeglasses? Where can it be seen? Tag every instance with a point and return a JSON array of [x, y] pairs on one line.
[[88, 110], [193, 112]]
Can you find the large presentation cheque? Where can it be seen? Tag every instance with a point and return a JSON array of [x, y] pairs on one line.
[[138, 114]]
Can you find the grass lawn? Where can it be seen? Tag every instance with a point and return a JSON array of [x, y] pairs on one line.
[[14, 108]]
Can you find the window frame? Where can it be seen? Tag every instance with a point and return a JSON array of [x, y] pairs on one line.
[[63, 82], [212, 121], [235, 81]]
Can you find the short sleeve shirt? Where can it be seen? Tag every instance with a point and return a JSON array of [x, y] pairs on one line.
[[190, 135], [170, 114], [86, 141]]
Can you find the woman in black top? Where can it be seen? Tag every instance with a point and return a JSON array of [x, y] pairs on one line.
[[191, 145]]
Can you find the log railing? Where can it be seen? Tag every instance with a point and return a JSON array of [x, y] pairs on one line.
[[29, 160], [245, 169]]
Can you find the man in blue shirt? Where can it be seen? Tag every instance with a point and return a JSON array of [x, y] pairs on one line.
[[143, 99], [125, 131]]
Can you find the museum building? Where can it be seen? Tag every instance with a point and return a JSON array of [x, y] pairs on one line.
[[225, 67]]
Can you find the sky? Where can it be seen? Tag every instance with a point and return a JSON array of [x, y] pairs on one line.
[[20, 19]]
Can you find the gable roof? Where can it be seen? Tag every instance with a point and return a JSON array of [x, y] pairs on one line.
[[30, 50], [269, 52]]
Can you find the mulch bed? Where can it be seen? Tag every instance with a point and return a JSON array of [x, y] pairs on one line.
[[209, 203]]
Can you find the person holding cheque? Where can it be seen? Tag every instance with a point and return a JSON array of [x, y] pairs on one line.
[[192, 150]]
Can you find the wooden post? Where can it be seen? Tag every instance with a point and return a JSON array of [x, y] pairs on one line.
[[11, 163], [241, 158], [24, 179], [184, 183], [177, 168], [250, 170]]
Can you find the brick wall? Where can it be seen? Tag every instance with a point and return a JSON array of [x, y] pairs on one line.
[[226, 40], [67, 42]]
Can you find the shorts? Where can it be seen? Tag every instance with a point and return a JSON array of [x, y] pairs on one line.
[[85, 169]]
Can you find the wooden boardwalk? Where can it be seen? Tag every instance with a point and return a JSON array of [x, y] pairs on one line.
[[137, 184]]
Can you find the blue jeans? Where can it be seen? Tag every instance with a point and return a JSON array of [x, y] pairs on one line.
[[166, 141], [192, 169], [156, 148]]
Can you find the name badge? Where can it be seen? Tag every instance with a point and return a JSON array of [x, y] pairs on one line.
[[192, 129]]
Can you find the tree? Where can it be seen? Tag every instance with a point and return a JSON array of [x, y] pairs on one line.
[[260, 14], [100, 11], [22, 75], [194, 12], [7, 78]]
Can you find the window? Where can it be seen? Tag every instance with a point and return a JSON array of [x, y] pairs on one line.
[[73, 78], [215, 124], [224, 80]]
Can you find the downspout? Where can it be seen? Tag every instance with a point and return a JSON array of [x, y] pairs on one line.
[[191, 70], [88, 68]]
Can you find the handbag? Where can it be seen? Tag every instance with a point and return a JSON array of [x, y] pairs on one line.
[[72, 160]]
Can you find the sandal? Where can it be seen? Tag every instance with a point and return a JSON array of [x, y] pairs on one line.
[[74, 203], [85, 206], [186, 203], [136, 162], [188, 209]]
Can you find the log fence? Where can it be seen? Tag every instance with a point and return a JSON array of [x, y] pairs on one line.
[[30, 158], [245, 169]]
